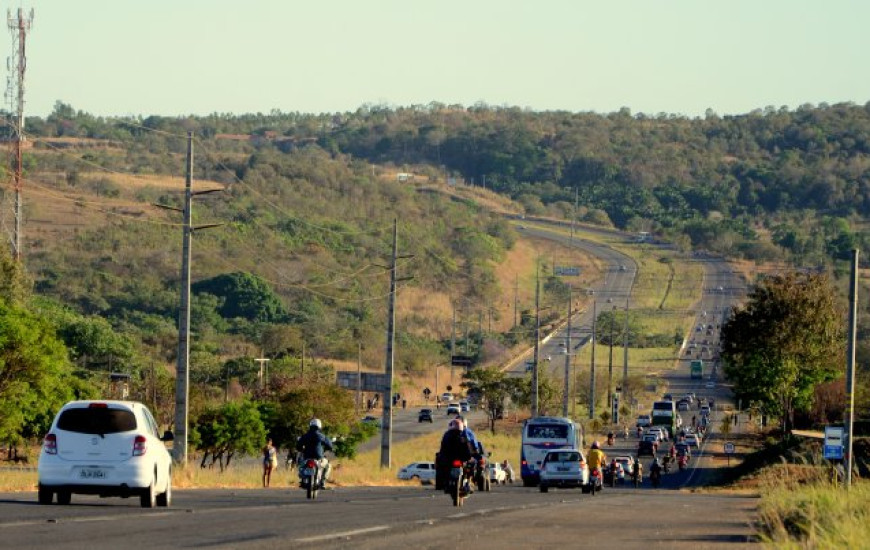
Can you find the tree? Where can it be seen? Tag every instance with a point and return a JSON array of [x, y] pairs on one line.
[[787, 339], [35, 373], [494, 387], [227, 430], [243, 295]]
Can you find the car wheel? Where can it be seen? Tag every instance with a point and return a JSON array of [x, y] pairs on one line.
[[64, 497], [148, 498], [45, 496], [544, 488], [164, 499]]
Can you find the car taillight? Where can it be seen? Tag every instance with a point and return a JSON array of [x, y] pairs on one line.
[[310, 464], [525, 463], [50, 444], [139, 445], [457, 463], [582, 464], [482, 461]]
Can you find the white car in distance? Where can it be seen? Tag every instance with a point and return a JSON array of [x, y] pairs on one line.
[[423, 471], [105, 448]]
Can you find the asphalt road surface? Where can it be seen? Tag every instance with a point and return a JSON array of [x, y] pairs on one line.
[[509, 516]]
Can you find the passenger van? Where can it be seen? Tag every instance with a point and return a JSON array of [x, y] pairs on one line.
[[541, 435]]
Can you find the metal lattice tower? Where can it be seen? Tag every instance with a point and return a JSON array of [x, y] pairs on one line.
[[19, 26]]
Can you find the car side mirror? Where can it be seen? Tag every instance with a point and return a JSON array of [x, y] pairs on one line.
[[167, 436]]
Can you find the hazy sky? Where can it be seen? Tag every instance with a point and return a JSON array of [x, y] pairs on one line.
[[144, 57]]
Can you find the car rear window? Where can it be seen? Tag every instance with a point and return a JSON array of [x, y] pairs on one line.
[[547, 431], [563, 457], [97, 421]]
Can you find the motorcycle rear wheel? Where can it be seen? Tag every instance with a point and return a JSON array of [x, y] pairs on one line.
[[456, 492]]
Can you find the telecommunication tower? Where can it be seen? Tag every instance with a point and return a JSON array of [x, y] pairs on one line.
[[19, 26]]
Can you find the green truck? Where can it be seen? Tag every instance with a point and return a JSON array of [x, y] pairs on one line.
[[696, 369]]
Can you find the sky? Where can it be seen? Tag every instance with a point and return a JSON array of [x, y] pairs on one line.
[[180, 57]]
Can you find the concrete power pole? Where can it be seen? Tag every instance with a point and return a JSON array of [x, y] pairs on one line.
[[182, 374], [387, 418], [568, 355], [625, 349], [850, 368], [592, 365], [19, 26], [537, 343]]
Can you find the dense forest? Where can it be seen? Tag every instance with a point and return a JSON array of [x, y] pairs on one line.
[[297, 264]]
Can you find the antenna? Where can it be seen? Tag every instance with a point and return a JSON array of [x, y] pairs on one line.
[[19, 26]]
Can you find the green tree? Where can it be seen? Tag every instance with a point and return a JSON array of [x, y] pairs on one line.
[[243, 295], [495, 389], [231, 429], [35, 373], [334, 406], [786, 339]]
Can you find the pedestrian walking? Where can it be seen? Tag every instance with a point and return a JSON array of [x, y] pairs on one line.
[[270, 461]]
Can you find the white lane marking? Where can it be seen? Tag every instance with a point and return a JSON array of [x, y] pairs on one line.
[[343, 534]]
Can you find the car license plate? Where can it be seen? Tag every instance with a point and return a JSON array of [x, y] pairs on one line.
[[455, 473], [92, 473], [308, 472], [564, 468]]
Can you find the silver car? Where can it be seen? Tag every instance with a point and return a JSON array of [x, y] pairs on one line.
[[106, 448]]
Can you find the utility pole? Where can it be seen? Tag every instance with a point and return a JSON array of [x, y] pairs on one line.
[[387, 419], [261, 373], [537, 342], [302, 373], [452, 344], [568, 355], [182, 369], [574, 217], [850, 367], [625, 348], [592, 367], [516, 296], [358, 377], [19, 26], [610, 363]]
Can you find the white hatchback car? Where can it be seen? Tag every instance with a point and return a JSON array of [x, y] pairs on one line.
[[496, 473], [424, 471], [106, 448], [564, 468]]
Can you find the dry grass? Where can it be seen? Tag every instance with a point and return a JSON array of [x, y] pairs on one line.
[[364, 470], [801, 508]]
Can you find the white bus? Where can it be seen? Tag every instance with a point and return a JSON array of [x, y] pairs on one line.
[[542, 434]]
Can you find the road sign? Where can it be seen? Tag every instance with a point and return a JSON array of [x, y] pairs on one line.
[[566, 271], [426, 392], [833, 448], [729, 448], [369, 381], [460, 361]]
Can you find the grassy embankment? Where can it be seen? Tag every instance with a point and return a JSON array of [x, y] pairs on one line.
[[801, 508]]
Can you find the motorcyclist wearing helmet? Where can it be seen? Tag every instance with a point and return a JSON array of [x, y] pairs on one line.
[[596, 458], [455, 445], [313, 445]]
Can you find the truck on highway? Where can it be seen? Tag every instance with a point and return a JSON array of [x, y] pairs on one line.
[[696, 369]]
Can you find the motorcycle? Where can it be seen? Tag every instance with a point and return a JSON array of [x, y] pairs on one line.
[[311, 477], [595, 481], [682, 460], [666, 463], [458, 484]]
